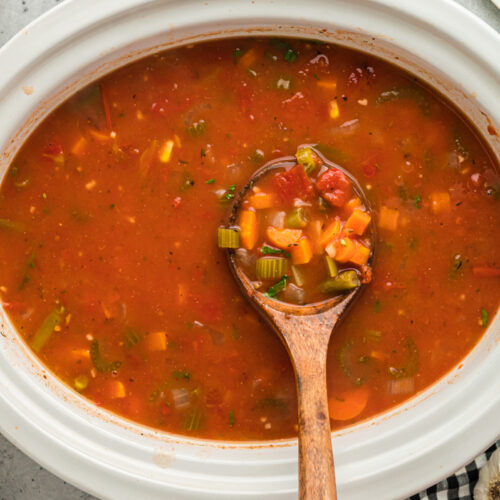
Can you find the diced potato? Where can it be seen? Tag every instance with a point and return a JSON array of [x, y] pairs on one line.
[[156, 341], [166, 151], [388, 218], [440, 202], [116, 389], [333, 110]]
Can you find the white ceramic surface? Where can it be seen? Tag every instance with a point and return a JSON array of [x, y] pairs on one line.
[[388, 457]]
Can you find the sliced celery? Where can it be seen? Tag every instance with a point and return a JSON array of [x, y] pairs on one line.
[[11, 225], [346, 280], [271, 267], [228, 238], [297, 218], [332, 267], [100, 364]]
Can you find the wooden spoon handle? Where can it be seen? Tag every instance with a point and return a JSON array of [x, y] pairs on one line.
[[316, 469]]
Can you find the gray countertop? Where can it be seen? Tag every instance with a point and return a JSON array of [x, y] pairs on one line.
[[20, 477]]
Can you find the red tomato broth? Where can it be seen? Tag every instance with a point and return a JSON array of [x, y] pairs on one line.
[[124, 240]]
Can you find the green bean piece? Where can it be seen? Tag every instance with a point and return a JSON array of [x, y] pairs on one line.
[[374, 335], [228, 238], [346, 280], [132, 337], [44, 333], [297, 218], [11, 225], [411, 366], [194, 420], [331, 266], [100, 364], [413, 93], [271, 267], [307, 158]]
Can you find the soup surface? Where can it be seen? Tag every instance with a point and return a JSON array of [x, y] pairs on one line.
[[109, 262]]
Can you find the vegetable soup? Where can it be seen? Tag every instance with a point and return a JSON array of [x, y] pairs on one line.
[[109, 260]]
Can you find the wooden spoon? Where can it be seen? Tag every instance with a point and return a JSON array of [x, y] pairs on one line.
[[305, 331]]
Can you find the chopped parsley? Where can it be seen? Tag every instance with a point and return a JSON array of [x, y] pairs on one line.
[[377, 306], [210, 181], [278, 287], [178, 374], [418, 201], [267, 250], [231, 418]]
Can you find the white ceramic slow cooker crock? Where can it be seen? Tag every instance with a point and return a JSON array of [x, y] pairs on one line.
[[390, 456]]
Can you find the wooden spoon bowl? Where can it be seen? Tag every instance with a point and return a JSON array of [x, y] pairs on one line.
[[305, 331]]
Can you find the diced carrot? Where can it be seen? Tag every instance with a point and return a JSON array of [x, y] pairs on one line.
[[344, 249], [331, 231], [248, 229], [166, 151], [349, 404], [381, 356], [353, 203], [302, 252], [116, 389], [358, 221], [388, 218], [79, 146], [360, 255], [248, 58], [440, 202], [486, 272], [327, 84], [156, 341], [333, 110], [283, 238], [99, 135], [80, 353], [261, 200]]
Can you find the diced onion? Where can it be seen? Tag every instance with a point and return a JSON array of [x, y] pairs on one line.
[[294, 294], [181, 398], [402, 386]]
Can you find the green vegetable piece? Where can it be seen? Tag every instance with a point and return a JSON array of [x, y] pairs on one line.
[[290, 56], [44, 333], [418, 201], [81, 382], [484, 317], [228, 237], [298, 276], [297, 218], [181, 374], [411, 365], [231, 418], [331, 266], [197, 128], [307, 158], [278, 287], [194, 420], [334, 155], [210, 181], [413, 93], [377, 306], [346, 280], [373, 335], [132, 337], [271, 267], [267, 250], [344, 354], [100, 364], [11, 225]]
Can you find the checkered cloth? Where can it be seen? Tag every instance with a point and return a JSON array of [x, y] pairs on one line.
[[460, 486]]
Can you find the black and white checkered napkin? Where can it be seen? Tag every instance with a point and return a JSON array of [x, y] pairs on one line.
[[460, 486]]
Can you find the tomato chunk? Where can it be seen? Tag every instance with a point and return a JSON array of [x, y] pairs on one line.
[[294, 183], [335, 187]]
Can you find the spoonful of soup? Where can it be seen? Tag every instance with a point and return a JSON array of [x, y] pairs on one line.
[[300, 242]]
